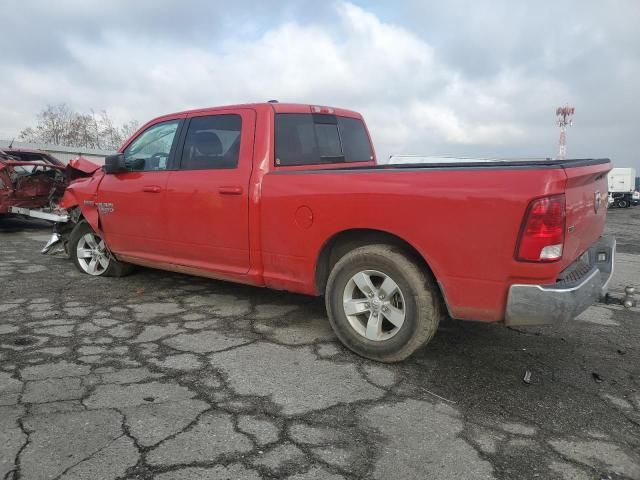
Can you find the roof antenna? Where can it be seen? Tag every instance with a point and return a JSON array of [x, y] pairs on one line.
[[11, 144]]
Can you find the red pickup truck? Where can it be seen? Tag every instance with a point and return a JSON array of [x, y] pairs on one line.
[[290, 197]]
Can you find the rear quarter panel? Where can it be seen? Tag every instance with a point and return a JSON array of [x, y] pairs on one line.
[[464, 222]]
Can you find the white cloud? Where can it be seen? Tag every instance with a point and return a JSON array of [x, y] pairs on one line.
[[415, 101]]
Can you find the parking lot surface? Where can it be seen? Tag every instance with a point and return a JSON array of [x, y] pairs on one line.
[[166, 376]]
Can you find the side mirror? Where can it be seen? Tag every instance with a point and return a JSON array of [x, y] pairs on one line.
[[115, 163]]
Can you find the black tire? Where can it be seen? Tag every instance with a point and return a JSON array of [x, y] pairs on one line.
[[622, 203], [423, 306], [115, 268]]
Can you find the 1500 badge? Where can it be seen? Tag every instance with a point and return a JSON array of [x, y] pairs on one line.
[[105, 208]]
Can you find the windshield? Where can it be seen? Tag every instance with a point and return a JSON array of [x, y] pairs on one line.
[[156, 140]]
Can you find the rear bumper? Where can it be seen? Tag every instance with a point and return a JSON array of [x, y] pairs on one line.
[[564, 300]]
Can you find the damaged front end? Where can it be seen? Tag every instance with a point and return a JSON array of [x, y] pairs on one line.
[[64, 223], [29, 185], [30, 179], [34, 184], [53, 244], [68, 210]]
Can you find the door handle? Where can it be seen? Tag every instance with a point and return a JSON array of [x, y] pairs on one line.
[[230, 190], [152, 189]]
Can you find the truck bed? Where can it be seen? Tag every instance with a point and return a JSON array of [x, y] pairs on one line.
[[464, 219]]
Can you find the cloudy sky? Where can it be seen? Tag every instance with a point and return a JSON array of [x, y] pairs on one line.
[[472, 78]]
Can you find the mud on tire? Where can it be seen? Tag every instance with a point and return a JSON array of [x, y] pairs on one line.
[[381, 283]]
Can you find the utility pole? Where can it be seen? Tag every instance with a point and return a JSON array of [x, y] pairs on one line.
[[564, 115]]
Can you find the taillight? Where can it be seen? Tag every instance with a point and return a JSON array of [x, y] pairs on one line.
[[542, 234]]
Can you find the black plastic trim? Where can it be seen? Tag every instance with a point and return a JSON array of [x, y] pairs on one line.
[[173, 158], [417, 167]]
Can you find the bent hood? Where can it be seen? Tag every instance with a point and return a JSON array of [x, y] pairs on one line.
[[81, 167]]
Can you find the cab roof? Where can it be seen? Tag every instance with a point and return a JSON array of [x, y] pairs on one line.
[[276, 107]]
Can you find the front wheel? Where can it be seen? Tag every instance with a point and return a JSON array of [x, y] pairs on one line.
[[91, 255], [381, 304]]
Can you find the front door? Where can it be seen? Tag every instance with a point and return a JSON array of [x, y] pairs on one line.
[[207, 201], [132, 204]]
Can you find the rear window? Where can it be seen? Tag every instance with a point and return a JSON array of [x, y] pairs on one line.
[[308, 139]]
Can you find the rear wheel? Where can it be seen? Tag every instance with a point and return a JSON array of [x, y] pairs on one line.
[[91, 255], [382, 305], [623, 203]]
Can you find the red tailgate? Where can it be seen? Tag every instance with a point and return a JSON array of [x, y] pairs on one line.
[[586, 196]]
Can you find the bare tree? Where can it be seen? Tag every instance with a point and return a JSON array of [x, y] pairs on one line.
[[60, 125]]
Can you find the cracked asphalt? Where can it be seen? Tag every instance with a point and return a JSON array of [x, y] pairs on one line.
[[166, 376]]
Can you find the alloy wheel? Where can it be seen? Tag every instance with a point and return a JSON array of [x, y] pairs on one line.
[[374, 305], [93, 256]]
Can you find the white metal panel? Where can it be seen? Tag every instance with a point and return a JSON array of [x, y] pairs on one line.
[[622, 180]]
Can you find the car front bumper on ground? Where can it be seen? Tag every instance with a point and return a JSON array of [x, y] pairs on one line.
[[42, 214], [564, 300]]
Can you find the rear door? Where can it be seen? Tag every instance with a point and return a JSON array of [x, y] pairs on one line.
[[132, 204], [207, 196]]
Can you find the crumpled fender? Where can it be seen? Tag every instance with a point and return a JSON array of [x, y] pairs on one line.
[[82, 193], [68, 200], [92, 217]]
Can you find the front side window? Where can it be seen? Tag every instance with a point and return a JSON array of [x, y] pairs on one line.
[[150, 150], [212, 142], [308, 139]]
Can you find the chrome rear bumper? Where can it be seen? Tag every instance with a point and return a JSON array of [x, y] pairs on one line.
[[564, 300]]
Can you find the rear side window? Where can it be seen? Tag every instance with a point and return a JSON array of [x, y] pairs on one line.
[[212, 142], [308, 139]]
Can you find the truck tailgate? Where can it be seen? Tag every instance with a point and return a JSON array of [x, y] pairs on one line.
[[586, 207]]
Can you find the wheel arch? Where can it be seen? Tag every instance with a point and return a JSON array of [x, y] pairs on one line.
[[87, 209], [342, 242]]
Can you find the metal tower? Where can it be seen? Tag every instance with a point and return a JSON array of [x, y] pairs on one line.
[[564, 120]]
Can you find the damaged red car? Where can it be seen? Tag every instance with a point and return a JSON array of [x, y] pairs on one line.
[[33, 179]]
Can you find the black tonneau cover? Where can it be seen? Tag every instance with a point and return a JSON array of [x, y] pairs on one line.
[[464, 164]]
